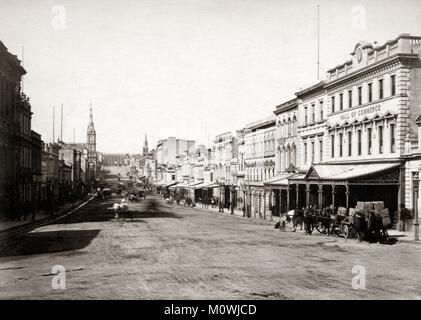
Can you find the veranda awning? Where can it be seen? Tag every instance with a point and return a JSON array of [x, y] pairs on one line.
[[344, 172], [210, 185]]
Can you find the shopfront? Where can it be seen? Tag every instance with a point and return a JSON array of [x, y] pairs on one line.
[[345, 184]]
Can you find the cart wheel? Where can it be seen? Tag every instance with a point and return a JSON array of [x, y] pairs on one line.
[[345, 231], [383, 236], [320, 227]]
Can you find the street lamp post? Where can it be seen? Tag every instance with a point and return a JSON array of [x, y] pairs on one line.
[[416, 181]]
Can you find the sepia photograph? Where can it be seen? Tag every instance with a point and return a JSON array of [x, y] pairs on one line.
[[234, 151]]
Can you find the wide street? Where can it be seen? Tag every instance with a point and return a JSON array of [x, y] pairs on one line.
[[183, 253]]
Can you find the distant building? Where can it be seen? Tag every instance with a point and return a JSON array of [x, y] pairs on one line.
[[113, 159], [167, 150], [91, 144], [36, 160], [87, 151], [259, 137]]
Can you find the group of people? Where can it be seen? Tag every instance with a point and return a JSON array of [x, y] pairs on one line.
[[364, 226], [184, 199], [305, 217], [120, 206]]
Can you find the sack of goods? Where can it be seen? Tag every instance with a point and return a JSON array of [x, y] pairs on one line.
[[342, 211], [378, 205], [368, 206], [385, 217]]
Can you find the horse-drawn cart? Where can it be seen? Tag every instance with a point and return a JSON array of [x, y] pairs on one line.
[[363, 224]]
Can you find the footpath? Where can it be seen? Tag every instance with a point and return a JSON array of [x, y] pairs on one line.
[[13, 229], [400, 236]]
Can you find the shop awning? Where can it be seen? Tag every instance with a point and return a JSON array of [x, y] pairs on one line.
[[345, 172], [279, 180], [179, 185], [210, 185], [255, 184], [170, 184], [279, 183], [194, 184], [158, 183]]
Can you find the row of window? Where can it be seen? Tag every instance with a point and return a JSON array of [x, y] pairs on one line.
[[261, 174], [369, 146], [369, 96], [312, 146], [287, 157], [364, 94], [261, 147], [311, 118], [25, 157], [339, 149], [287, 129], [7, 99]]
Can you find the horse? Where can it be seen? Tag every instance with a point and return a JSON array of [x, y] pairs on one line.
[[121, 208], [298, 219]]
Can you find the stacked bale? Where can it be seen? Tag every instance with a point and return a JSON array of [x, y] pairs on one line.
[[374, 206]]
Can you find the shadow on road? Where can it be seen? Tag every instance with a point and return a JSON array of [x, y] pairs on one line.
[[49, 242], [101, 211]]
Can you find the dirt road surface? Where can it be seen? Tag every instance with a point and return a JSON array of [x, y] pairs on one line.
[[184, 253]]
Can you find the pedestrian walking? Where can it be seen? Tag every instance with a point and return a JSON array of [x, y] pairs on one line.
[[116, 208], [221, 206]]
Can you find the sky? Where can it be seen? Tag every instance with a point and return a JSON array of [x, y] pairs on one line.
[[186, 68]]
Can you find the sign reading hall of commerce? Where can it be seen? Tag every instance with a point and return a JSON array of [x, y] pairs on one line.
[[361, 112]]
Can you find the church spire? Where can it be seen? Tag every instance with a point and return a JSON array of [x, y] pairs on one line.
[[91, 118], [145, 146]]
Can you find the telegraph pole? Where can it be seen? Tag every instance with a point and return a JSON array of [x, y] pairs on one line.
[[61, 124], [318, 44], [54, 123]]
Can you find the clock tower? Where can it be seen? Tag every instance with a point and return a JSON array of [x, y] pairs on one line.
[[91, 143]]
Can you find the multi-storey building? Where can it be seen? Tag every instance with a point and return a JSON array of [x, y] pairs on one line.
[[312, 125], [51, 165], [36, 159], [285, 157], [113, 159], [286, 136], [16, 176], [89, 157], [370, 104], [241, 171], [167, 150], [259, 138], [225, 151]]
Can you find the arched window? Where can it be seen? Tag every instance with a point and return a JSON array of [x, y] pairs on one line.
[[294, 155], [294, 125], [283, 158], [278, 164]]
